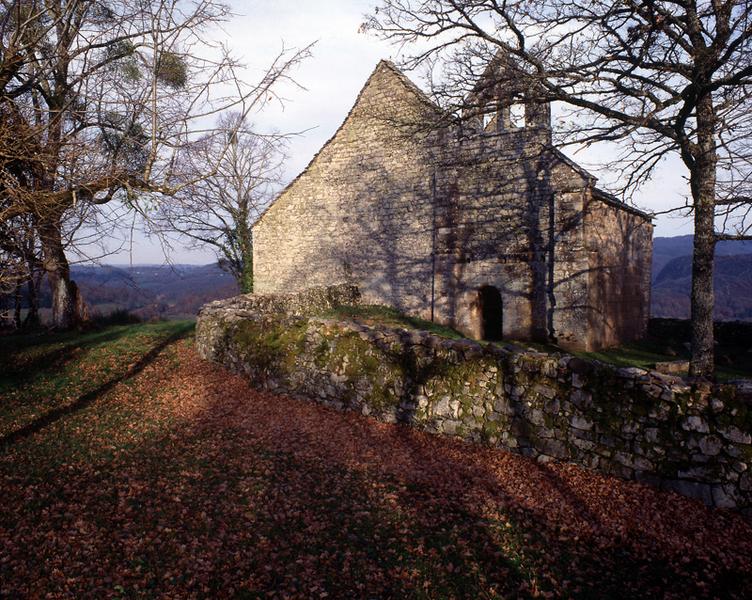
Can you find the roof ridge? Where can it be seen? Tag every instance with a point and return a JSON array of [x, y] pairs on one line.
[[408, 82], [615, 201]]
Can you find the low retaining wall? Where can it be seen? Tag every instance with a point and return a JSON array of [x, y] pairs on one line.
[[632, 423]]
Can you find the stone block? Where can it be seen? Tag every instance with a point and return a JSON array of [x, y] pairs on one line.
[[544, 459], [710, 445], [554, 448], [674, 367], [442, 408], [724, 496], [577, 380], [695, 423], [580, 422], [691, 489], [583, 444], [545, 391], [536, 417], [651, 434], [736, 435], [660, 412], [630, 372]]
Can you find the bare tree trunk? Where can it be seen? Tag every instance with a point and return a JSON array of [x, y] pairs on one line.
[[703, 184], [32, 318], [246, 251], [17, 306], [703, 296], [68, 307]]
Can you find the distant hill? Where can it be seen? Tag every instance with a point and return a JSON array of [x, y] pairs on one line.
[[178, 291], [666, 249], [150, 291], [672, 279]]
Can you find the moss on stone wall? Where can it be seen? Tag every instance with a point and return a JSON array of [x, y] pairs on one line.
[[695, 439], [270, 346]]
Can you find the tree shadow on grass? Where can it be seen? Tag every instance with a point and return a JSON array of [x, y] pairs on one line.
[[259, 495], [88, 398], [17, 371]]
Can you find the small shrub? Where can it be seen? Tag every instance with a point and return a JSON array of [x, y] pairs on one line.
[[120, 316]]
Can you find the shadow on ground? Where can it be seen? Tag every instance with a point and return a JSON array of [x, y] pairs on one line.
[[86, 399], [237, 493]]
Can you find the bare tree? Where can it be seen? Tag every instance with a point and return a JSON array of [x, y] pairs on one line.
[[655, 76], [99, 98], [218, 211], [21, 265]]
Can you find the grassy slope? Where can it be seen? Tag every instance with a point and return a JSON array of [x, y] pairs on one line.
[[391, 317], [44, 377], [180, 481]]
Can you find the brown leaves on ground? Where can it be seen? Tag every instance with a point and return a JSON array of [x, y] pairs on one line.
[[184, 482]]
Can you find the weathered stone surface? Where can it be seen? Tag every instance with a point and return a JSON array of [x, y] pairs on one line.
[[734, 434], [674, 367], [424, 220], [580, 422], [724, 496], [711, 445], [699, 491], [503, 396], [695, 423]]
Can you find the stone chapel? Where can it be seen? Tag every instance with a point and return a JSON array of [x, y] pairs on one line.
[[482, 225]]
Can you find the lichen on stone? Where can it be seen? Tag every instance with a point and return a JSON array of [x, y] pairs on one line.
[[695, 439]]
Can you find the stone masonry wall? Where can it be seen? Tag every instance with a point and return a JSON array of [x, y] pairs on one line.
[[620, 250], [421, 219], [361, 212], [635, 424]]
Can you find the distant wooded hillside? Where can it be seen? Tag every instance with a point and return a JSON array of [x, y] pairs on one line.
[[672, 279], [149, 291], [178, 291]]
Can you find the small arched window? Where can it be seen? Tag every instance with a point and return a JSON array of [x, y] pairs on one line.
[[517, 115]]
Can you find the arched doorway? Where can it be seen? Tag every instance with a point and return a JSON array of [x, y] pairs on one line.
[[491, 313]]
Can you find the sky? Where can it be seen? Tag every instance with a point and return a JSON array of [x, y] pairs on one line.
[[342, 59]]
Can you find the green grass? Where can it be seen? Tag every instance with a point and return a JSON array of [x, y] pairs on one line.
[[733, 362], [638, 354], [46, 372], [373, 314], [645, 354], [630, 355]]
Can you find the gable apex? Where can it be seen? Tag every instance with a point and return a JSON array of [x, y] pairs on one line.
[[388, 66], [384, 67]]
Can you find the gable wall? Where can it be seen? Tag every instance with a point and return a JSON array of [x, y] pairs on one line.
[[361, 213], [420, 222], [620, 248]]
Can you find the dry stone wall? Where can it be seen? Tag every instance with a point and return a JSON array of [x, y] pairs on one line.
[[695, 439]]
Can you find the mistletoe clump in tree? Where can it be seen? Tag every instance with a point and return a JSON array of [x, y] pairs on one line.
[[99, 100]]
